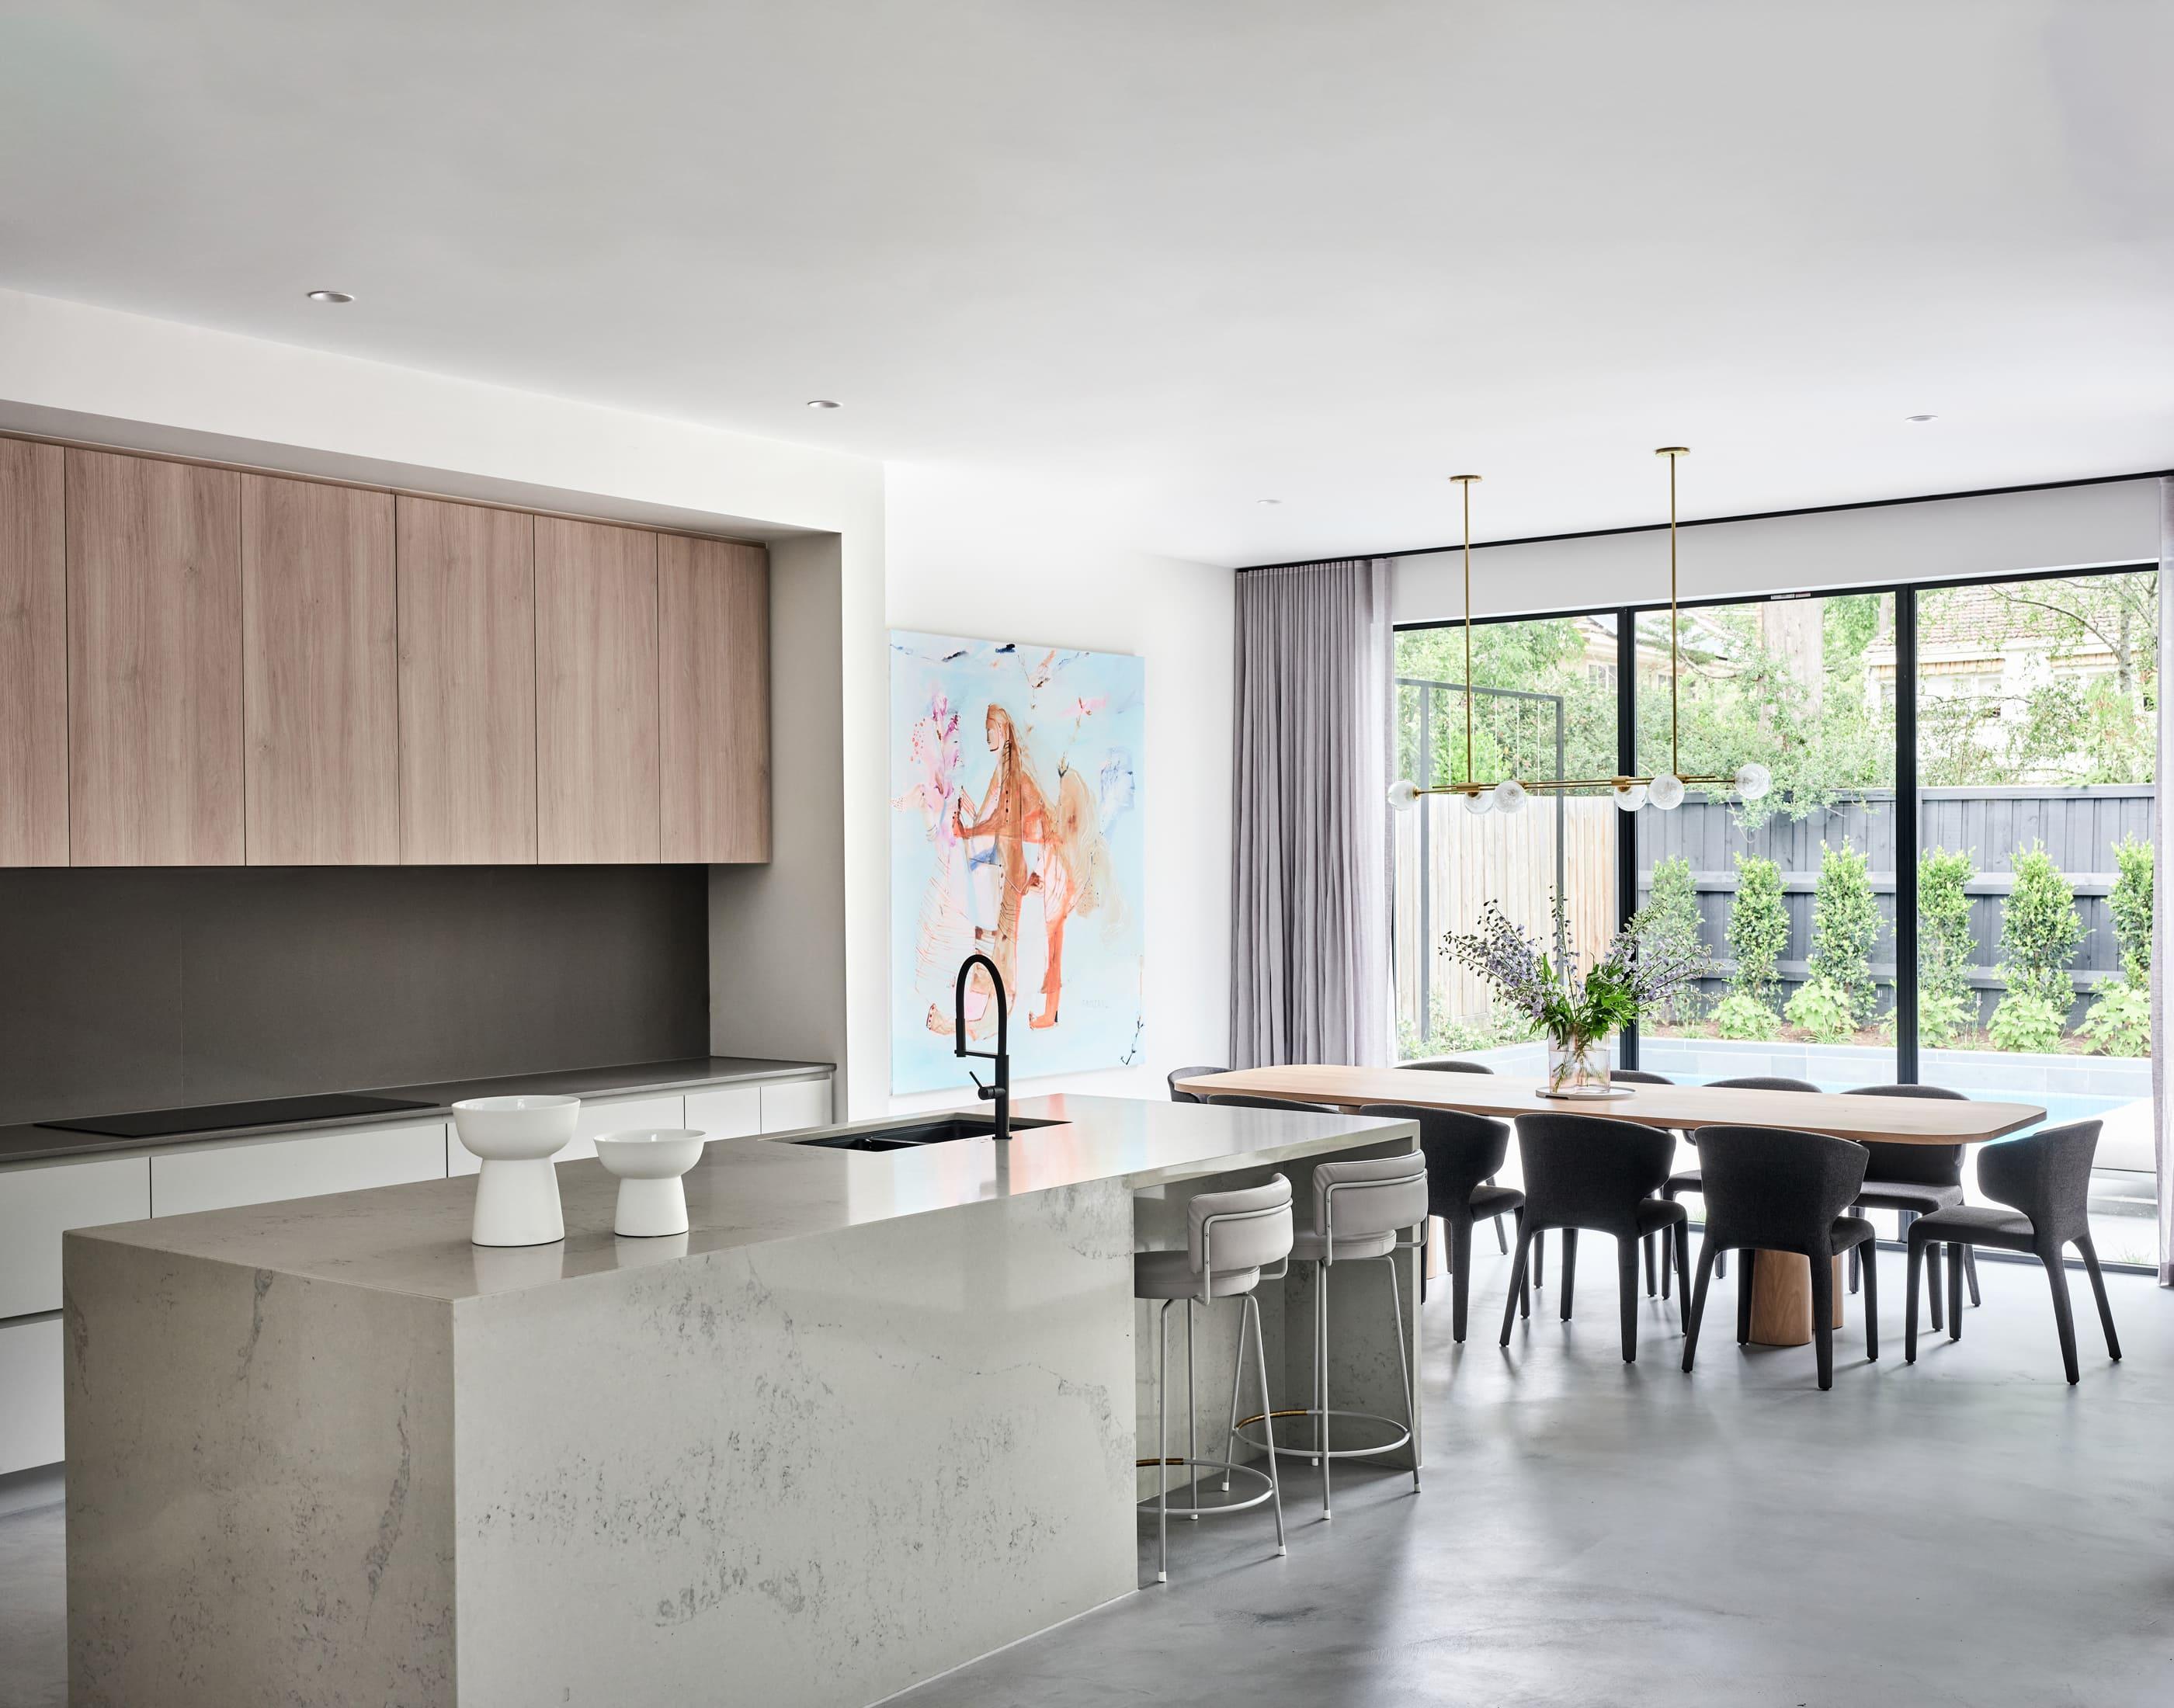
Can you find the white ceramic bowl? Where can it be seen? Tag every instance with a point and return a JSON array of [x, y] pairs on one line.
[[516, 1189], [649, 1162], [515, 1129]]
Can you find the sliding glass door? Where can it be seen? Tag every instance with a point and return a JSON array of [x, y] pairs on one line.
[[2036, 761]]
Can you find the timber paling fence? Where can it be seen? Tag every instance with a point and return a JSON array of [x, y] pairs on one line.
[[1514, 860]]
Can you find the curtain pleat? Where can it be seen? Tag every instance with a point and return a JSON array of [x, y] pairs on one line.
[[2163, 835], [1310, 833]]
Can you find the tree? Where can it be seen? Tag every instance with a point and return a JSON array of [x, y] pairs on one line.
[[2039, 932], [1946, 1004], [2119, 1022], [1839, 995], [1672, 911], [1758, 929]]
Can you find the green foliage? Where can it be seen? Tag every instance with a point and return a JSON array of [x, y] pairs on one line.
[[2027, 1023], [1758, 929], [1946, 1004], [2039, 931], [2131, 906], [1672, 912], [1739, 1016], [2119, 1022], [1844, 926], [1824, 1009], [1568, 655]]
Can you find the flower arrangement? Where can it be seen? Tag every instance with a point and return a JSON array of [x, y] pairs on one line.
[[1651, 961]]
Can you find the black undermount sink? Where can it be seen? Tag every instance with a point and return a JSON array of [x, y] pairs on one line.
[[935, 1129]]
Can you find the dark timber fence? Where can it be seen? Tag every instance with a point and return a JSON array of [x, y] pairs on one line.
[[2079, 828]]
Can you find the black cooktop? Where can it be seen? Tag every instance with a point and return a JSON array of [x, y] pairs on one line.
[[209, 1117]]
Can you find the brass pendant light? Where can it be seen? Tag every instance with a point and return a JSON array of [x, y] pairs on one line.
[[1663, 790]]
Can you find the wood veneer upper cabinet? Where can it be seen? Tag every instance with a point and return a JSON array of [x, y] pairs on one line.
[[713, 701], [321, 699], [155, 662], [33, 811], [596, 693], [468, 684]]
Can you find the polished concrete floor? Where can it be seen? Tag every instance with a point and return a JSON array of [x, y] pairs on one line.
[[1970, 1531]]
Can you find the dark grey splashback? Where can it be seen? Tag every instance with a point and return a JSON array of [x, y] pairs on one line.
[[147, 988]]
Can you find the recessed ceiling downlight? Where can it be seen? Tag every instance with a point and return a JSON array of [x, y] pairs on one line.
[[1268, 500], [330, 296], [823, 403], [1921, 418]]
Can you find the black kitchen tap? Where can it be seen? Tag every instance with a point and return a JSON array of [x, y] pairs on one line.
[[1001, 1092]]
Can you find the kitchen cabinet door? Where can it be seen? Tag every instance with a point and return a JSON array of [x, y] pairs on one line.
[[321, 694], [596, 693], [713, 755], [155, 662], [305, 1166], [468, 684], [33, 810]]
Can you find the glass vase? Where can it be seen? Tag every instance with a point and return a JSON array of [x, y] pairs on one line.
[[1577, 1068]]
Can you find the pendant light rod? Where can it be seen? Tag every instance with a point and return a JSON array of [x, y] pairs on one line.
[[1465, 483], [1675, 756]]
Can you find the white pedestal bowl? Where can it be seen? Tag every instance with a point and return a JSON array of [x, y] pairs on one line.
[[649, 1162], [516, 1200]]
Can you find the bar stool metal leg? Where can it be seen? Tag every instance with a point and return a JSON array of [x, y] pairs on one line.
[[1162, 1443], [1252, 1308], [1321, 1356], [1192, 1406], [1404, 1363]]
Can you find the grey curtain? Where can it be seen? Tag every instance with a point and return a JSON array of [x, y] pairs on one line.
[[1310, 914], [2159, 842]]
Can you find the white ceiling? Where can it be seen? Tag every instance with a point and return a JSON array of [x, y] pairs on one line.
[[1190, 255]]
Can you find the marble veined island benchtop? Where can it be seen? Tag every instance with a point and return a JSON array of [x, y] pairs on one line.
[[874, 1414]]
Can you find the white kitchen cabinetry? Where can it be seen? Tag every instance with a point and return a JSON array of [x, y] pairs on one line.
[[726, 1112], [307, 1165], [29, 1393], [788, 1105], [39, 1201]]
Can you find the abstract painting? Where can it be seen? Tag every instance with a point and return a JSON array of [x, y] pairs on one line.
[[1015, 831]]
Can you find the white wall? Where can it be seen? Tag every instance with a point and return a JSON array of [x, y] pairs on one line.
[[991, 558], [1937, 540]]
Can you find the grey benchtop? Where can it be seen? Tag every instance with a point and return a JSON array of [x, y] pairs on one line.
[[745, 1192], [33, 1144]]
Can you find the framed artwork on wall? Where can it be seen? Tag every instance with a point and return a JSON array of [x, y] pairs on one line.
[[1016, 797]]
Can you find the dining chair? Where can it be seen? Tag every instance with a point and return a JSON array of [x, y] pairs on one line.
[[2044, 1178], [1587, 1171], [1771, 1189], [1463, 1153], [1656, 1269], [1913, 1180], [1687, 1179], [1234, 1101], [1457, 1064], [1178, 1074]]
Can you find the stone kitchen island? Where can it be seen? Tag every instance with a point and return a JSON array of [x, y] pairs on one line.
[[875, 1414]]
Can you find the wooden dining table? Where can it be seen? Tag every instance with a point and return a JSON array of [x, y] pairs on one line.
[[1781, 1281]]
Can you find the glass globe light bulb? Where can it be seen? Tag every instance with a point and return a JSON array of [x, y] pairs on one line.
[[1666, 793], [1629, 796], [1403, 794], [1753, 780], [1481, 804], [1509, 796]]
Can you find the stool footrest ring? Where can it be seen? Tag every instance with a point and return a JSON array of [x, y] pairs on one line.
[[1286, 1449], [1195, 1509]]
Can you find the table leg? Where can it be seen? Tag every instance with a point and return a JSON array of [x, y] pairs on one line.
[[1782, 1299]]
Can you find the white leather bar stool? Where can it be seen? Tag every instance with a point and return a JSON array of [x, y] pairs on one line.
[[1231, 1238], [1359, 1207]]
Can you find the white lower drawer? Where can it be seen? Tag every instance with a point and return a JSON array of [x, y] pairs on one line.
[[308, 1165], [30, 1377], [788, 1105]]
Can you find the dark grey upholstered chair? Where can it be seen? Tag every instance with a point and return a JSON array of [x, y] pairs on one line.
[[2045, 1180], [1769, 1189], [1915, 1180], [1586, 1171], [1178, 1074], [1457, 1064], [1656, 1264], [1688, 1180], [1463, 1154]]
